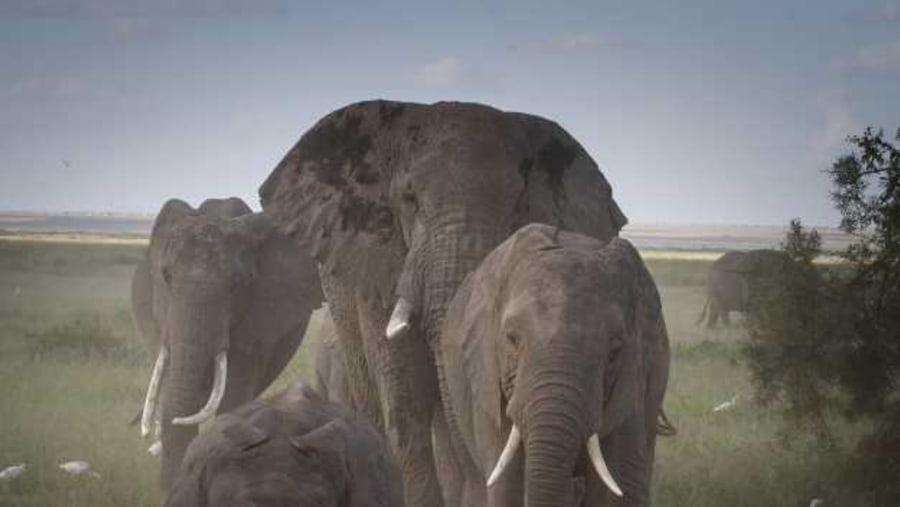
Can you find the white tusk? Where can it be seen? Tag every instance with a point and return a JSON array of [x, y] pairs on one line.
[[593, 448], [150, 405], [215, 395], [512, 444], [399, 318]]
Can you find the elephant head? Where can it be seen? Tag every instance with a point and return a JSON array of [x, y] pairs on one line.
[[291, 449], [554, 345], [438, 186], [223, 301], [398, 202]]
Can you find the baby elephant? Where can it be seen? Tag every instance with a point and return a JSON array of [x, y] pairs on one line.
[[293, 449]]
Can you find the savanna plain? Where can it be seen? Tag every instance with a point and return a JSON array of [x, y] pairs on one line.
[[73, 375]]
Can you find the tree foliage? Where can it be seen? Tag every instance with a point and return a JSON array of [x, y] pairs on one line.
[[827, 342]]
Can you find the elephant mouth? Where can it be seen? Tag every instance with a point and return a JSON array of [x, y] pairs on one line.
[[591, 450], [152, 413]]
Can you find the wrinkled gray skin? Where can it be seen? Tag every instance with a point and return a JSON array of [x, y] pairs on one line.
[[563, 336], [293, 449], [332, 384], [219, 278], [731, 281], [331, 366], [404, 200]]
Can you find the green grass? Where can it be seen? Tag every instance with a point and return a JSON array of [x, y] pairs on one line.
[[66, 405]]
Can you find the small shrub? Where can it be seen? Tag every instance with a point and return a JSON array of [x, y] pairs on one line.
[[85, 338]]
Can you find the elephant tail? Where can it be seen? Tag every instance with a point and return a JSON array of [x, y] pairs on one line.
[[703, 312], [664, 427]]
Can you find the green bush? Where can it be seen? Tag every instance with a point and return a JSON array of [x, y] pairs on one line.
[[828, 344]]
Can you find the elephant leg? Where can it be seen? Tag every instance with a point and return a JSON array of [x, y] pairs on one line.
[[714, 309], [405, 372], [449, 471]]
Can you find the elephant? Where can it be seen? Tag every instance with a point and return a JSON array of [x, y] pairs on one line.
[[331, 383], [222, 301], [554, 365], [294, 448], [398, 202], [734, 278]]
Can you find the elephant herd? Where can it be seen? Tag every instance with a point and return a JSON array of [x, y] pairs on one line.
[[491, 340]]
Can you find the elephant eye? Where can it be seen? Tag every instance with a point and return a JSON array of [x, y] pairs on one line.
[[167, 275]]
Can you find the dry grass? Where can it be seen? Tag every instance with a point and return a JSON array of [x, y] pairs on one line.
[[65, 407]]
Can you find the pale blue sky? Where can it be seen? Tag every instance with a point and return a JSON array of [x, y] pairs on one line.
[[697, 111]]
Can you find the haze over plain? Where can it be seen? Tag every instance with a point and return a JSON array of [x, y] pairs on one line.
[[697, 112]]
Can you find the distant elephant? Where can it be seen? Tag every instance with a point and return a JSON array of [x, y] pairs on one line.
[[222, 300], [554, 363], [732, 280], [293, 449], [331, 366], [398, 202]]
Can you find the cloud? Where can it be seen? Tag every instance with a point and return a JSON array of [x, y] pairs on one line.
[[838, 121], [878, 58], [446, 72], [572, 43]]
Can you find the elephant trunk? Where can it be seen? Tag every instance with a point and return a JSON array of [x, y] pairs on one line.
[[555, 434], [455, 248], [198, 333]]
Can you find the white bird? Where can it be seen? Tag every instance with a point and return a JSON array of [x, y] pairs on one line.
[[155, 449], [816, 502], [725, 406], [78, 468], [11, 472]]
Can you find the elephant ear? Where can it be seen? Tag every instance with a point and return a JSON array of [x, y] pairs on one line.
[[284, 292], [147, 294], [331, 193], [478, 359], [142, 305], [564, 186], [638, 343]]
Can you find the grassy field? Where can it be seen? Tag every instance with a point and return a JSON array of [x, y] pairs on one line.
[[72, 375]]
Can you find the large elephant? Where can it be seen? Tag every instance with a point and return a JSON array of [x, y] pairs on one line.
[[398, 202], [733, 279], [222, 300], [554, 363], [293, 449]]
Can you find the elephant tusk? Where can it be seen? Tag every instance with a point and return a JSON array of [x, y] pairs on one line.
[[512, 444], [593, 448], [150, 402], [399, 318], [215, 395]]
